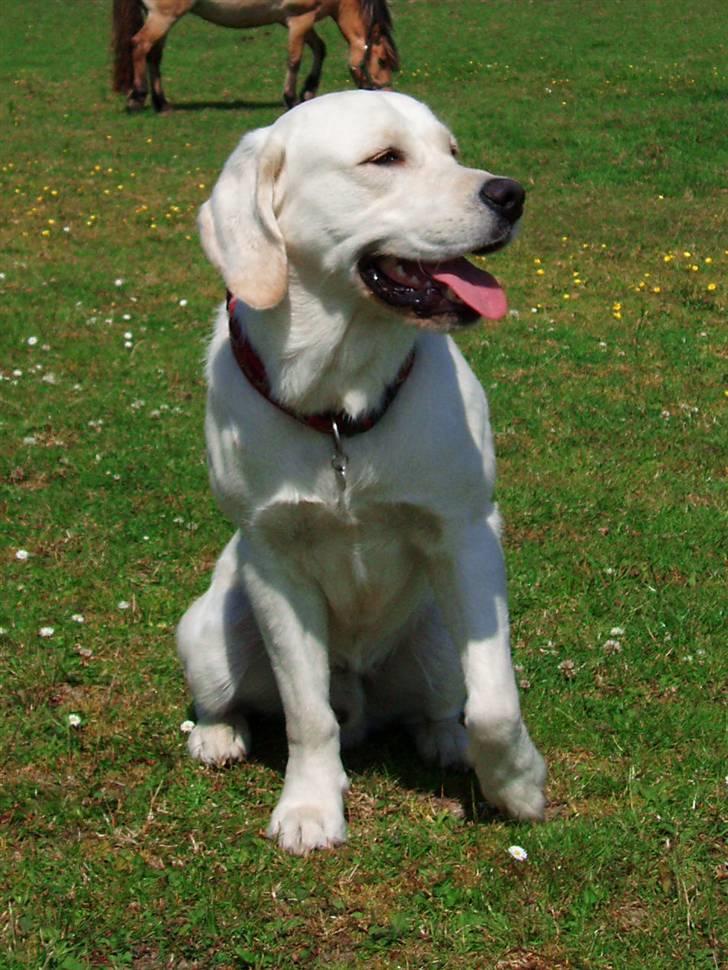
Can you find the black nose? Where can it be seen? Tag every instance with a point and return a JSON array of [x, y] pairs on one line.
[[504, 196]]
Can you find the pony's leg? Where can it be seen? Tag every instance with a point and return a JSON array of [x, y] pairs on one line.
[[155, 29], [159, 101], [225, 663], [318, 49], [298, 28]]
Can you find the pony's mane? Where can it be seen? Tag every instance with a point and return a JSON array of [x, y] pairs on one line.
[[376, 14]]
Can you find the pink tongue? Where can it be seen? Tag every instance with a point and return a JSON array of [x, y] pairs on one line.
[[473, 286]]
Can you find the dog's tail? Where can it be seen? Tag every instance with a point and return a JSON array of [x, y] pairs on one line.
[[127, 20]]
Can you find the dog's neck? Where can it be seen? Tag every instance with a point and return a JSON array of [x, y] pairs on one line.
[[334, 356]]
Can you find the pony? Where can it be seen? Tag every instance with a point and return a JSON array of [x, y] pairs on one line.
[[140, 29]]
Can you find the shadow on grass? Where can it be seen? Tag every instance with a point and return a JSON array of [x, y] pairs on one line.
[[179, 106], [390, 752]]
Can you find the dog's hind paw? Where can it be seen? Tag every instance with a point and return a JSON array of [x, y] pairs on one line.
[[219, 743], [444, 743]]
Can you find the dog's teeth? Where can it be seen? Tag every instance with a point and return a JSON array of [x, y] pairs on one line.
[[411, 279], [397, 271]]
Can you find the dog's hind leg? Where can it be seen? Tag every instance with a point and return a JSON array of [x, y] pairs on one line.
[[225, 663], [421, 684]]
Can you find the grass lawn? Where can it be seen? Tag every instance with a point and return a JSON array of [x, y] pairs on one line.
[[608, 392]]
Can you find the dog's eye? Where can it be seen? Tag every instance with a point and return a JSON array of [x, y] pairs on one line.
[[454, 150], [390, 156]]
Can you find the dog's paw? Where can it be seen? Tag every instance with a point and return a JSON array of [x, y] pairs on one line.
[[299, 828], [219, 743], [513, 781], [520, 799], [442, 742]]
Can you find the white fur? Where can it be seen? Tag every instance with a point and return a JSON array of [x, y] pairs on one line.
[[385, 600]]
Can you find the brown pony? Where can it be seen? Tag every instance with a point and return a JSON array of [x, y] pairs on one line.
[[140, 30]]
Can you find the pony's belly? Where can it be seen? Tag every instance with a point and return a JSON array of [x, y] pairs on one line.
[[251, 13]]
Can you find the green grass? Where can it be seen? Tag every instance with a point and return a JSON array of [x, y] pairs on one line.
[[607, 389]]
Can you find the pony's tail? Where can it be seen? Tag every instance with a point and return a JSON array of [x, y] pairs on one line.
[[127, 21]]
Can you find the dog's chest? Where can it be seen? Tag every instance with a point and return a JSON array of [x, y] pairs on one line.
[[369, 566]]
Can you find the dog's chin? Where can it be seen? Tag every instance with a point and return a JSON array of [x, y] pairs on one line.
[[409, 289]]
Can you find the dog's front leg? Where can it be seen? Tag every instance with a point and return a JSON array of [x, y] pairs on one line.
[[293, 620], [470, 585]]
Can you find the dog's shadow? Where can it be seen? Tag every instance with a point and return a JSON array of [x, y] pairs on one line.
[[389, 753]]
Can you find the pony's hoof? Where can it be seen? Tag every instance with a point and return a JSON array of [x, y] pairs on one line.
[[135, 102], [162, 107]]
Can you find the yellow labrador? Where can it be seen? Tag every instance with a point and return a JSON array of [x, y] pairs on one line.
[[349, 444]]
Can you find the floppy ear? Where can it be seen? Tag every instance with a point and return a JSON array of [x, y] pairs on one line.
[[238, 226]]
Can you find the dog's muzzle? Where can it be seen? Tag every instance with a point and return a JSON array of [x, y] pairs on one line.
[[504, 197]]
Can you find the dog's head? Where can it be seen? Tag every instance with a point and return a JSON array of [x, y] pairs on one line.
[[361, 193]]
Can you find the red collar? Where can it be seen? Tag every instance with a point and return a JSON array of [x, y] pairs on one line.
[[328, 422]]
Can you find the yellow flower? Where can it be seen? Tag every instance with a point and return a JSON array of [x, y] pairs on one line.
[[712, 286]]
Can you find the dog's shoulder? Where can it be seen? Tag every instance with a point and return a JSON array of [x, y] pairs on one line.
[[450, 394]]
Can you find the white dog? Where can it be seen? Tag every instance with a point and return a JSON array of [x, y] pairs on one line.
[[349, 443]]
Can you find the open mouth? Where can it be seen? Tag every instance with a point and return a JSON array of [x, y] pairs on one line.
[[454, 290]]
